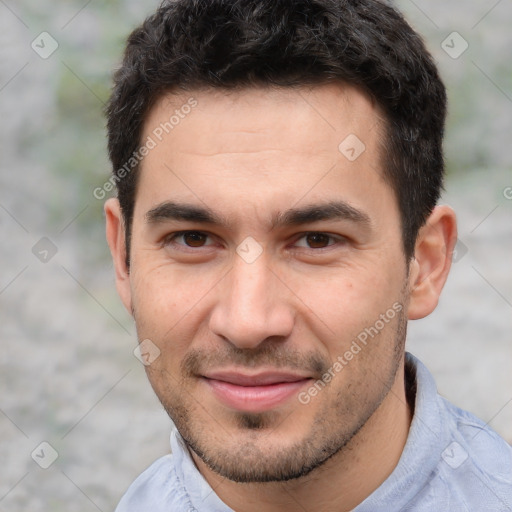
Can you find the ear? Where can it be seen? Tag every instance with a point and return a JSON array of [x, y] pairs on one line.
[[117, 243], [432, 261]]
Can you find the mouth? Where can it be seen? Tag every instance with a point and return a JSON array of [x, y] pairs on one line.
[[254, 393]]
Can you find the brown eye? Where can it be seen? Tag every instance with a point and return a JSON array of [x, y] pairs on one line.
[[194, 238], [317, 240]]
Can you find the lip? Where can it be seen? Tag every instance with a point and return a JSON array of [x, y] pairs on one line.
[[254, 393]]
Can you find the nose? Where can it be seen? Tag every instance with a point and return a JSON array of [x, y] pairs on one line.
[[252, 305]]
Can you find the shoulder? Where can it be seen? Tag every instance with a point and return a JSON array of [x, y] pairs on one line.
[[157, 489], [475, 469], [478, 443], [453, 460]]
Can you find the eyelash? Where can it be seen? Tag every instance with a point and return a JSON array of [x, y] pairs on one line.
[[170, 239]]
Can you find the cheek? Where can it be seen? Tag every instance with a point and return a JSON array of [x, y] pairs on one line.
[[157, 303], [342, 301], [169, 303], [165, 290]]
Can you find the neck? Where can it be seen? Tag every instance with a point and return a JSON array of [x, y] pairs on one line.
[[343, 481]]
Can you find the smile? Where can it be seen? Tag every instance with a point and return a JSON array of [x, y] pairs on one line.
[[254, 393]]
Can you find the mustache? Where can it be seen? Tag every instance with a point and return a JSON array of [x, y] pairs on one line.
[[197, 361]]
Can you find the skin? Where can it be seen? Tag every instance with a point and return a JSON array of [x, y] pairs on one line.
[[249, 156]]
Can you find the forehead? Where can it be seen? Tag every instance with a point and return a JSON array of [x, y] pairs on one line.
[[265, 145], [323, 114]]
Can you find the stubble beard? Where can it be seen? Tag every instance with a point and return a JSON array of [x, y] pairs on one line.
[[254, 457]]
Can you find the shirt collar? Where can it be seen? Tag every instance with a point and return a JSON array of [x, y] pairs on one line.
[[201, 495], [422, 452]]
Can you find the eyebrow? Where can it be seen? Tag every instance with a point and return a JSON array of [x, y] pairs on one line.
[[170, 210], [333, 210]]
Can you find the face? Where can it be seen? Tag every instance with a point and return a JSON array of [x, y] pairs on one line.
[[267, 267]]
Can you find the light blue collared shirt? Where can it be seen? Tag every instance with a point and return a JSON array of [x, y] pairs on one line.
[[451, 462]]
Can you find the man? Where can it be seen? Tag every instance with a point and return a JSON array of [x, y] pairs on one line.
[[278, 166]]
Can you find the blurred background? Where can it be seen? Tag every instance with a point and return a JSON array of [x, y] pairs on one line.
[[68, 376]]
